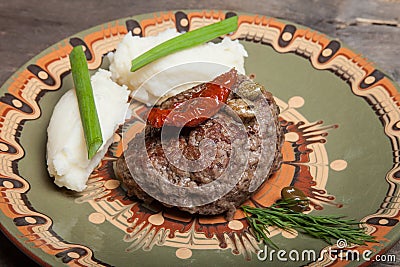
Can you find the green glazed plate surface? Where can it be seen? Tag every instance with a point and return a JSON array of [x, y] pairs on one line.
[[341, 120]]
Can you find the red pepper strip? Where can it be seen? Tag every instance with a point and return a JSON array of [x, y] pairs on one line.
[[200, 107]]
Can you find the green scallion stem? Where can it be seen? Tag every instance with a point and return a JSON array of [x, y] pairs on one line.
[[186, 40], [87, 107]]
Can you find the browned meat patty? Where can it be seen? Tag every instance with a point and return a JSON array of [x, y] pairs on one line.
[[246, 142]]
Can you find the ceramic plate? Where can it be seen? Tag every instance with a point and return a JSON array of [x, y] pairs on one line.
[[341, 120]]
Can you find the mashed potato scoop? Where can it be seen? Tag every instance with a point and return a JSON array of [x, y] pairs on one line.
[[67, 159], [176, 72]]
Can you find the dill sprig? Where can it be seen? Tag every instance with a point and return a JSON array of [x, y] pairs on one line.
[[325, 227]]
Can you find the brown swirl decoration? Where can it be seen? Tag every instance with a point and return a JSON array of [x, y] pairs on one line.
[[20, 103]]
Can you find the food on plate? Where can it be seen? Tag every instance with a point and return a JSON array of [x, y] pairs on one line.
[[206, 103], [176, 72], [287, 215], [184, 41], [71, 125], [67, 158], [202, 111], [262, 143], [294, 196]]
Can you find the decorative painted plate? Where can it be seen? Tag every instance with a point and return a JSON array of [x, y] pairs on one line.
[[341, 120]]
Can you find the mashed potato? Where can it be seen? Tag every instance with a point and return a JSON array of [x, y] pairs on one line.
[[66, 148], [176, 72]]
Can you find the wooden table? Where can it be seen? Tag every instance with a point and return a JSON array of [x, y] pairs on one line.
[[370, 27]]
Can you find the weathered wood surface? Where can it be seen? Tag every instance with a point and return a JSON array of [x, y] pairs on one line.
[[371, 27]]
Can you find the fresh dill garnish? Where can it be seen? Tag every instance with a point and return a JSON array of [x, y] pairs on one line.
[[324, 227]]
